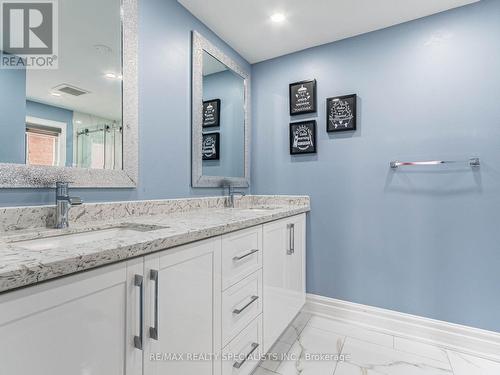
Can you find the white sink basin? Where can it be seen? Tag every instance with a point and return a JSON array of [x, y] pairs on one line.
[[71, 239], [263, 209]]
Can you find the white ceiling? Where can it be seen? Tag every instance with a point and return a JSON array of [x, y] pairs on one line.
[[82, 25], [246, 26]]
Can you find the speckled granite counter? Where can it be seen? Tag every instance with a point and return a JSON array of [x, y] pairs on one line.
[[180, 221]]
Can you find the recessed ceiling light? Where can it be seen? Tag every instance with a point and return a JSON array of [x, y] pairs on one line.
[[55, 94], [78, 122], [278, 17], [113, 76]]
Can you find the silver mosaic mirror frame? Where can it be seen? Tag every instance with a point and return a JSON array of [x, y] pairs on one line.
[[201, 44], [25, 176]]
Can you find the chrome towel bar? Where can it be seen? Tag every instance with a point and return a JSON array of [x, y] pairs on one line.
[[473, 162]]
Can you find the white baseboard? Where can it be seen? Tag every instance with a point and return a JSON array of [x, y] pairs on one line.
[[477, 342]]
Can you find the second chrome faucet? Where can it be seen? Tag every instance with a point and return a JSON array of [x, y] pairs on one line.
[[231, 195]]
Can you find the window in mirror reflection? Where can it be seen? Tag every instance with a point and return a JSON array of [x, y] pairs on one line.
[[70, 116], [224, 113], [43, 147]]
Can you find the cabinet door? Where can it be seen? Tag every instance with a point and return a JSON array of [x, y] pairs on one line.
[[284, 275], [183, 315], [295, 274], [81, 324]]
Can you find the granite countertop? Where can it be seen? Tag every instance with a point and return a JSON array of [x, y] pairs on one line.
[[21, 266]]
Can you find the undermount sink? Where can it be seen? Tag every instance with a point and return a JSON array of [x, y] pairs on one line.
[[262, 209], [71, 239]]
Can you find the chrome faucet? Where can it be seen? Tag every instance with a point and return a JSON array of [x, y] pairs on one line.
[[231, 194], [63, 204]]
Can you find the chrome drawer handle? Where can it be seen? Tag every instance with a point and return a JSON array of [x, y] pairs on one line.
[[242, 362], [153, 331], [236, 259], [138, 281], [252, 300], [291, 233]]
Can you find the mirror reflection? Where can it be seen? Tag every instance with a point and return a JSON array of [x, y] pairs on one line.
[[223, 120], [70, 116]]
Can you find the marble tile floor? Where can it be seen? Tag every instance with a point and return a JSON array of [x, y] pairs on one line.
[[351, 350]]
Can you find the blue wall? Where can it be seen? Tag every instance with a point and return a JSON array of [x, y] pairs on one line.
[[229, 88], [12, 115], [420, 241], [49, 112], [164, 114]]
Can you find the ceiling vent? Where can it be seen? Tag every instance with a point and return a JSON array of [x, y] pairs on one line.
[[71, 90]]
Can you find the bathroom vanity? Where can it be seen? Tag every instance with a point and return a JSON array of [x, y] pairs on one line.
[[181, 287]]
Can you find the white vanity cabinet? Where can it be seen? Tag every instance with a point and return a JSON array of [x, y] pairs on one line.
[[120, 319], [82, 324], [183, 309], [231, 296], [284, 274]]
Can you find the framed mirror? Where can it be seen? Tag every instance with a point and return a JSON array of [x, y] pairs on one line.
[[221, 118], [78, 121]]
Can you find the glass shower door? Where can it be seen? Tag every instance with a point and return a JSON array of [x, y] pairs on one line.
[[100, 148]]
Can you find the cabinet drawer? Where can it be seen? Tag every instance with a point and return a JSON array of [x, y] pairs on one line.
[[242, 355], [241, 255], [241, 304]]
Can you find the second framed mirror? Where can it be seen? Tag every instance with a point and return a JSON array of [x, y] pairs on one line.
[[221, 120]]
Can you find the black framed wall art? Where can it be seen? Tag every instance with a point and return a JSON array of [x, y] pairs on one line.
[[211, 113], [211, 146], [341, 113], [302, 96], [303, 137]]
